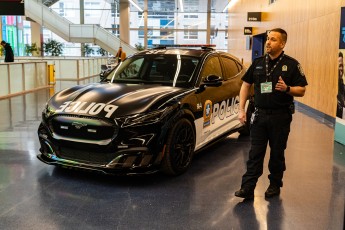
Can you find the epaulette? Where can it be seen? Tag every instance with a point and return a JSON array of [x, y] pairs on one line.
[[291, 58]]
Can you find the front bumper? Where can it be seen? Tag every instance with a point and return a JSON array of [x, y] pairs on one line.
[[133, 160]]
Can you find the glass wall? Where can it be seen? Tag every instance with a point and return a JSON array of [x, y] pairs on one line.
[[12, 33], [168, 22]]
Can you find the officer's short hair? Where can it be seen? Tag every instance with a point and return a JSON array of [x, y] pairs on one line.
[[282, 32]]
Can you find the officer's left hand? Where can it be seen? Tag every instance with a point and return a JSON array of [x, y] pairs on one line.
[[281, 86]]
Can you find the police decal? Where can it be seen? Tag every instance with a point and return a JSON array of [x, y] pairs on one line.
[[221, 110], [91, 108], [207, 113]]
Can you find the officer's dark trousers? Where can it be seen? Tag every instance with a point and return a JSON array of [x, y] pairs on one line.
[[273, 128]]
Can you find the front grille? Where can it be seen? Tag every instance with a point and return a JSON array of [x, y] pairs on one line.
[[85, 156], [81, 127]]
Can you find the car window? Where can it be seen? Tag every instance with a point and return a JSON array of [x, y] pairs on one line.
[[211, 67], [230, 67], [171, 70], [163, 68]]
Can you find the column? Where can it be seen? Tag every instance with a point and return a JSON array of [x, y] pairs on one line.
[[124, 21]]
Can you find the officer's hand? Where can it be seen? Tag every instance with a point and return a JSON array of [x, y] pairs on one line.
[[281, 86], [242, 116]]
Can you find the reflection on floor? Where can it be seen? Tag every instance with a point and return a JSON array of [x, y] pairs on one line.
[[37, 196]]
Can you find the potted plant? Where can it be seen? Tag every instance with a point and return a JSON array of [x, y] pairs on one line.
[[53, 47], [32, 50]]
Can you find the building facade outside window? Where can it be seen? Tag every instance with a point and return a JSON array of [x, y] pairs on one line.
[[168, 22]]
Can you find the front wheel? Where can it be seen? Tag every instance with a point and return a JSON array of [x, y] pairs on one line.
[[179, 148]]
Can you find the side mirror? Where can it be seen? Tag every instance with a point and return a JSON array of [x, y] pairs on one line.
[[210, 81]]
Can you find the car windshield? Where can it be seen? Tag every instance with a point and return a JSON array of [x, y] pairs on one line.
[[168, 69]]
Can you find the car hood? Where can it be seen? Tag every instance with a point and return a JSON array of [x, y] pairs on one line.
[[111, 100]]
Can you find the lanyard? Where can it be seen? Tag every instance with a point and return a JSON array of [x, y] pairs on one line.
[[268, 74]]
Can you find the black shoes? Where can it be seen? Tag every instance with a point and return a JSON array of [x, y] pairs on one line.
[[272, 190], [248, 193], [245, 193]]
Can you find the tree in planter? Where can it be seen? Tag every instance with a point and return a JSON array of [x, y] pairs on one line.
[[32, 49], [88, 50], [53, 47]]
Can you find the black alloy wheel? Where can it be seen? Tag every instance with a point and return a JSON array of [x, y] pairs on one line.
[[179, 148]]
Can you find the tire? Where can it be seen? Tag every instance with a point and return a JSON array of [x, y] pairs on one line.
[[179, 148]]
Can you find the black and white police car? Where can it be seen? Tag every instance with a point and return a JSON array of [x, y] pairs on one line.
[[151, 113]]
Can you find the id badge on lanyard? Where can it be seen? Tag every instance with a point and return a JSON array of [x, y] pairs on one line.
[[267, 87]]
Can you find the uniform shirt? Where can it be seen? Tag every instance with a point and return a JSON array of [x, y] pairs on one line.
[[288, 68]]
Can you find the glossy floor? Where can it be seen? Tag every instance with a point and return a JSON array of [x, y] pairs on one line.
[[38, 196]]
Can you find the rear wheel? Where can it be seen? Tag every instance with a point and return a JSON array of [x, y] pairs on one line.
[[179, 148]]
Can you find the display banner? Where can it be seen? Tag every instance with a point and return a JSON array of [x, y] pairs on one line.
[[340, 114], [12, 7]]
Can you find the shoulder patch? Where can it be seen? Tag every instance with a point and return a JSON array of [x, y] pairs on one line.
[[300, 69]]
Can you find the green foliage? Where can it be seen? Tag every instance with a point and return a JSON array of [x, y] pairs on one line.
[[139, 46], [53, 47], [30, 50], [88, 50], [102, 52]]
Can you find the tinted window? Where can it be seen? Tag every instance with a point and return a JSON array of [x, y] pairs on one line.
[[211, 67], [172, 70], [230, 67]]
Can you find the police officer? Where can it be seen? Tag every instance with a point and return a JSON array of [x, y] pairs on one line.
[[277, 78]]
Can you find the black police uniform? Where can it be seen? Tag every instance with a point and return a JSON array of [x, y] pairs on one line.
[[272, 117]]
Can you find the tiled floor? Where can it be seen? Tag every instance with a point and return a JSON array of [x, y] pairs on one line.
[[37, 196]]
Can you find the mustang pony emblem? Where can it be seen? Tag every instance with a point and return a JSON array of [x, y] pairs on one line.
[[78, 125]]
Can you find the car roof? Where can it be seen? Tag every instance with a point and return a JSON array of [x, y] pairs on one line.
[[192, 51]]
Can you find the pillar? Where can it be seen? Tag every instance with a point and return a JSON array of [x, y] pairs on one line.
[[124, 21]]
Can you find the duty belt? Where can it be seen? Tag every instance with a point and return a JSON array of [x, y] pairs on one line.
[[272, 111]]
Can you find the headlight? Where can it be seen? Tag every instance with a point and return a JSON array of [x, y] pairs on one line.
[[147, 118], [48, 111]]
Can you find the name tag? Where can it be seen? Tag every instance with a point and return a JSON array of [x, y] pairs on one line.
[[266, 87]]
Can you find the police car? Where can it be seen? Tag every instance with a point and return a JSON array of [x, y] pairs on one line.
[[153, 112]]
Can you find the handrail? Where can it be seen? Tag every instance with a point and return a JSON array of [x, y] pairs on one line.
[[81, 33]]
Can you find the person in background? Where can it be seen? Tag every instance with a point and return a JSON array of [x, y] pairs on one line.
[[9, 56], [120, 55], [277, 79], [341, 87]]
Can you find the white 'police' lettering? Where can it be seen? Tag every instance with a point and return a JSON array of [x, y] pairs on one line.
[[225, 109], [86, 108]]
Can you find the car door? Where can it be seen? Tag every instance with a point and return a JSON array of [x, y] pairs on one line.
[[218, 103]]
